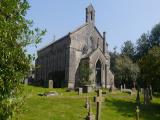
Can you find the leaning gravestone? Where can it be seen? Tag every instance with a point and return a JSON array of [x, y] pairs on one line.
[[50, 84]]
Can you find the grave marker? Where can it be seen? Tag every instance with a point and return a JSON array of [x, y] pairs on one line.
[[50, 84], [98, 101], [80, 90]]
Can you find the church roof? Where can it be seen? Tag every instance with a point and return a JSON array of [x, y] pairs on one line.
[[91, 53], [77, 29]]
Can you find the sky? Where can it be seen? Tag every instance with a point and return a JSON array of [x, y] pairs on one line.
[[121, 19]]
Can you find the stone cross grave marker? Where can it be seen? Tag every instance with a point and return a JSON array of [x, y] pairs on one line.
[[98, 101]]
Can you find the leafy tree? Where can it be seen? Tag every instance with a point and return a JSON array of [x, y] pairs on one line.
[[150, 68], [147, 41], [126, 70], [155, 35], [128, 49], [15, 35], [113, 56], [142, 46], [85, 71]]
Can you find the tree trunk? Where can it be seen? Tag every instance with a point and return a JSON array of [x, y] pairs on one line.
[[146, 96], [150, 92]]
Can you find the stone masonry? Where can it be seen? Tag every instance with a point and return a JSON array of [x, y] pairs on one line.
[[60, 60]]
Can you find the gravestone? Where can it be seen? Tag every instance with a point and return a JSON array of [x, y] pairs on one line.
[[124, 86], [50, 84], [121, 88], [51, 93], [98, 101], [80, 90], [26, 81], [87, 88]]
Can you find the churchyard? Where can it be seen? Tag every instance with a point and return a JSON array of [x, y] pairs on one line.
[[116, 105]]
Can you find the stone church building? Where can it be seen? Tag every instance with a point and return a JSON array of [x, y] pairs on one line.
[[60, 60]]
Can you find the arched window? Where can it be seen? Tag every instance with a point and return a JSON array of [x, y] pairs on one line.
[[98, 73]]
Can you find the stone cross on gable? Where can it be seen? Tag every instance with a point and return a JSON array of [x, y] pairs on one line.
[[98, 101]]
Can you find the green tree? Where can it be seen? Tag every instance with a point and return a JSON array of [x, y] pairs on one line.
[[128, 49], [15, 35], [155, 35], [142, 46], [126, 71], [150, 68], [113, 56], [85, 71], [147, 41]]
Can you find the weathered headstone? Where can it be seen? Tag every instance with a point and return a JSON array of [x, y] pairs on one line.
[[87, 88], [98, 101], [51, 93], [121, 88], [50, 84], [124, 86], [26, 81], [80, 90]]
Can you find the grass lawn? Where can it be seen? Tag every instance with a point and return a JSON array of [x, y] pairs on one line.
[[70, 106]]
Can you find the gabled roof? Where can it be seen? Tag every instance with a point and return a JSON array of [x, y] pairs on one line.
[[79, 28], [51, 43], [98, 32], [92, 52]]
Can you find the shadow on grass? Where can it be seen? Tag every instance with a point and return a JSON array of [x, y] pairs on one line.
[[156, 95], [128, 108], [124, 108]]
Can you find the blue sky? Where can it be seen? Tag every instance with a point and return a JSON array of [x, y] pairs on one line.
[[121, 19]]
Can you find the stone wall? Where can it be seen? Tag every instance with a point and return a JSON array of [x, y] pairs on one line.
[[52, 59]]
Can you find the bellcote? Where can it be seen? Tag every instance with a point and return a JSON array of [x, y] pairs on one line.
[[90, 14]]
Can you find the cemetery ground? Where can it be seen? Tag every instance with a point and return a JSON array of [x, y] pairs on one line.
[[70, 106]]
